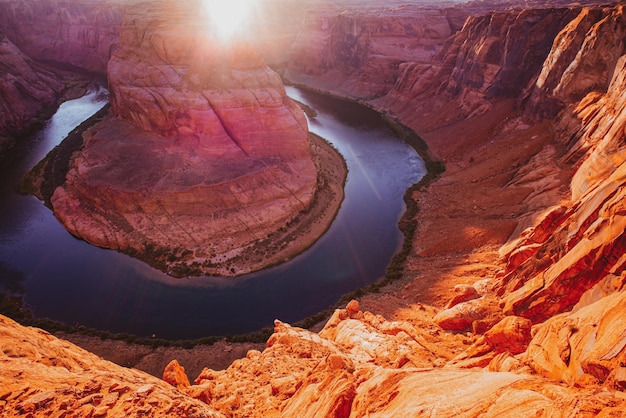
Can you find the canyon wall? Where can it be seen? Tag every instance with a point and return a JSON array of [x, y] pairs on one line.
[[26, 88], [356, 52], [36, 39], [537, 253], [82, 34]]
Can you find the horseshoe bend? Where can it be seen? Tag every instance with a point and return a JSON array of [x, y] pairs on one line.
[[203, 158], [509, 298]]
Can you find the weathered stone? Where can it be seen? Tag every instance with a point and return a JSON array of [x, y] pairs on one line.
[[78, 381], [511, 334], [464, 292], [462, 315], [589, 341], [205, 159], [174, 374]]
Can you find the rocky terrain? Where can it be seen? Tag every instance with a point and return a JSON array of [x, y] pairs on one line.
[[512, 297], [39, 40]]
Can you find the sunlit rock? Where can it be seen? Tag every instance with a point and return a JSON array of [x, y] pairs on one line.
[[204, 160]]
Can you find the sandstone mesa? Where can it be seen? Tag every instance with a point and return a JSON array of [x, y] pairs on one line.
[[520, 246], [204, 161]]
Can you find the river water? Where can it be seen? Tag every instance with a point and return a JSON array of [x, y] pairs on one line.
[[68, 280]]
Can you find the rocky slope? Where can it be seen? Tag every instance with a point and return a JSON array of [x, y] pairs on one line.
[[512, 301], [528, 262], [44, 376]]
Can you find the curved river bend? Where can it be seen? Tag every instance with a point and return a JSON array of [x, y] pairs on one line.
[[73, 282]]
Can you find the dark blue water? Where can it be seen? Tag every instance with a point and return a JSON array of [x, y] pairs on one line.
[[73, 282]]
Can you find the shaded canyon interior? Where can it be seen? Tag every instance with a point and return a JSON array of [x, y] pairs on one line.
[[511, 300]]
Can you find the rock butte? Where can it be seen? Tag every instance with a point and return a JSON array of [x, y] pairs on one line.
[[512, 300], [203, 159]]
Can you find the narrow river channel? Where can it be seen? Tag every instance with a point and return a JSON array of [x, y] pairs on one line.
[[68, 280]]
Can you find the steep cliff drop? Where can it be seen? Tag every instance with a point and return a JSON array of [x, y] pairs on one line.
[[27, 88], [204, 158]]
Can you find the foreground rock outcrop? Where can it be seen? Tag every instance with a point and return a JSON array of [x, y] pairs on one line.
[[362, 365], [44, 376]]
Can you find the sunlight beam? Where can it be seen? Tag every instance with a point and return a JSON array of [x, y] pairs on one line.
[[229, 18]]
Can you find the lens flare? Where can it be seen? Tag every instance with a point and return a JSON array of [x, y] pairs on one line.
[[229, 18]]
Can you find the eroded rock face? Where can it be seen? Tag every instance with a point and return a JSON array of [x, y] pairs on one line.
[[206, 155], [26, 87], [44, 376], [363, 365], [583, 243], [80, 33], [494, 56], [356, 51], [560, 347]]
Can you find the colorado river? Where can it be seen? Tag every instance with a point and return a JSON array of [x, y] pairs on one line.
[[68, 280]]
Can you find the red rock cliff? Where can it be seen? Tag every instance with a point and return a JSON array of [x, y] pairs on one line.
[[80, 33], [356, 51], [26, 87], [533, 208], [205, 158]]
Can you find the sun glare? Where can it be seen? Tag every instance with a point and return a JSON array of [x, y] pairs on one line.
[[229, 17]]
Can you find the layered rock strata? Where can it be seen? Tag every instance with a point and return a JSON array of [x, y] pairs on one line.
[[44, 376], [362, 365], [80, 33], [26, 89], [356, 52], [36, 39], [204, 157], [555, 189]]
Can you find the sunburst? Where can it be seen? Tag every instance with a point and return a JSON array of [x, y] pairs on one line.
[[229, 18]]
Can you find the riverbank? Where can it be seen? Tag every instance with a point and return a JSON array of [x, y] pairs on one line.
[[302, 232], [469, 212], [153, 358]]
